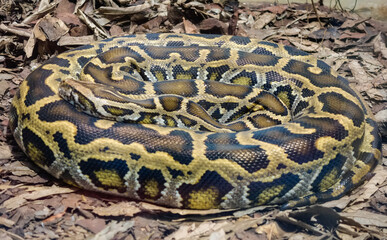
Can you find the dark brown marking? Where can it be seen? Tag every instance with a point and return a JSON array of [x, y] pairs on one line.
[[223, 89], [338, 104], [171, 103], [246, 58], [272, 103], [37, 87], [185, 88], [262, 121], [120, 55], [225, 145]]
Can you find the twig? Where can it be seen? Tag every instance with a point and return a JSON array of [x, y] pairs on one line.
[[315, 10], [15, 31], [12, 235]]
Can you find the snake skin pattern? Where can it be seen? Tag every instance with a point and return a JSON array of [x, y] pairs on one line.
[[197, 122]]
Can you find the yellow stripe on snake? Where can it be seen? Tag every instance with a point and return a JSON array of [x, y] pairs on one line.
[[196, 121]]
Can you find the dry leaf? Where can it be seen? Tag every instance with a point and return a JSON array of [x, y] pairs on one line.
[[6, 222], [75, 41], [192, 231], [271, 230], [116, 30], [94, 225], [218, 235], [367, 218], [360, 75], [189, 27], [353, 35], [5, 153], [211, 24], [380, 45], [154, 208], [118, 209], [41, 12], [37, 192], [304, 45], [15, 30], [18, 169], [119, 11], [52, 27], [263, 20], [372, 185], [154, 23], [279, 9], [112, 229]]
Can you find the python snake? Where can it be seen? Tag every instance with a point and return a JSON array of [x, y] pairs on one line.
[[197, 122]]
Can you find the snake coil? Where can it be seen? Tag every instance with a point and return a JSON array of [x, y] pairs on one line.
[[196, 121]]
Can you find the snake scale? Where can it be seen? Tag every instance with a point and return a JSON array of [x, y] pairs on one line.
[[197, 122]]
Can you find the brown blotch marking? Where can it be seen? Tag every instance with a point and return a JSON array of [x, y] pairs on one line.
[[170, 103], [102, 74], [238, 126], [190, 54], [128, 85], [262, 121], [324, 126], [37, 87], [196, 110], [337, 104], [61, 110], [116, 55], [217, 54], [250, 157], [223, 90], [188, 122], [272, 103], [146, 103], [246, 58], [186, 88]]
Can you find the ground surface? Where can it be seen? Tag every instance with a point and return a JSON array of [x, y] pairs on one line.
[[33, 205]]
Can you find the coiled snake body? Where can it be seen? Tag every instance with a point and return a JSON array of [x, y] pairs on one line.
[[196, 121]]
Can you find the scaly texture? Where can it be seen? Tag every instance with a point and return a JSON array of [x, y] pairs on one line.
[[196, 121]]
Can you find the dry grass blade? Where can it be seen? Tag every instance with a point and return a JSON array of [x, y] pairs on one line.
[[112, 11], [98, 30], [41, 12]]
